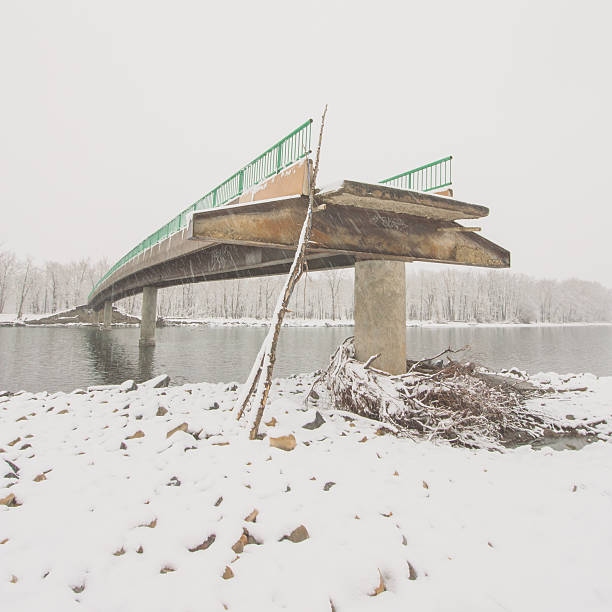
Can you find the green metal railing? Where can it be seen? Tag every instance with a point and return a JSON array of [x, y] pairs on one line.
[[285, 152], [435, 175]]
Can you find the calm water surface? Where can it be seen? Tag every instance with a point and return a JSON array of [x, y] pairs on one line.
[[62, 359]]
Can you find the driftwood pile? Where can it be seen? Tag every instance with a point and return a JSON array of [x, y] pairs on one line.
[[436, 401]]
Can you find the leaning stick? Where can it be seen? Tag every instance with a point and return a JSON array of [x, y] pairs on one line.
[[260, 379]]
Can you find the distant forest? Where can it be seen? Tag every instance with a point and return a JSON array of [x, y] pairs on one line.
[[435, 294]]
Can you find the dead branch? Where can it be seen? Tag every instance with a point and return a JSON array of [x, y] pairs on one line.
[[260, 379], [454, 403]]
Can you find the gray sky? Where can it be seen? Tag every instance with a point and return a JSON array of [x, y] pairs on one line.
[[116, 115]]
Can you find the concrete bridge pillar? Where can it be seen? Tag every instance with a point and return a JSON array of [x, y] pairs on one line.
[[380, 314], [149, 316], [108, 314]]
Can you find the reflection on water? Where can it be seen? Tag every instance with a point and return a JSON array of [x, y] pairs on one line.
[[55, 358]]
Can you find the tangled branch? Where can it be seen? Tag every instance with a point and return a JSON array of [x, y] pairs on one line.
[[452, 402]]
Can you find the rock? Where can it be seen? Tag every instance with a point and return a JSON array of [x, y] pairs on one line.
[[166, 569], [123, 446], [364, 439], [64, 411], [380, 588], [413, 573], [79, 392], [138, 434], [25, 446], [286, 443], [163, 380], [9, 500], [94, 388], [12, 466], [4, 541], [181, 427], [218, 502], [252, 517], [271, 423], [205, 544], [5, 393], [250, 538], [425, 485], [23, 418], [381, 431], [227, 574], [39, 478], [299, 534], [128, 385], [14, 441], [215, 406], [238, 547], [119, 552], [161, 411], [328, 485], [318, 421], [174, 482]]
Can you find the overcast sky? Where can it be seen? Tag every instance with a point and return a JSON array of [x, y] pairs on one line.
[[116, 115]]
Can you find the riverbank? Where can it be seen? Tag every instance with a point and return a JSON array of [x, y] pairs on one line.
[[155, 499], [72, 318]]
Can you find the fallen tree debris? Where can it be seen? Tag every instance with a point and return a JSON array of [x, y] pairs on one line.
[[452, 401]]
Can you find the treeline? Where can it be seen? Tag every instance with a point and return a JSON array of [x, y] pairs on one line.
[[26, 288], [433, 294]]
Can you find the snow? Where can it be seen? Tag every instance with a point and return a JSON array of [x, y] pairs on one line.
[[299, 322], [252, 322], [11, 319], [521, 530]]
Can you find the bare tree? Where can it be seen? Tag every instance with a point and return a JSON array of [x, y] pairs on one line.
[[7, 264], [24, 287]]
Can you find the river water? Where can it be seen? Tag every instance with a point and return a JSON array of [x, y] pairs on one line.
[[65, 358]]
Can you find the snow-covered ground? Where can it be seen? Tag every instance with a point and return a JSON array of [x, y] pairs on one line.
[[252, 322], [116, 512]]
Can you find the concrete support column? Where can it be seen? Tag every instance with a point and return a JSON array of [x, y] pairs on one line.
[[149, 316], [108, 314], [380, 313]]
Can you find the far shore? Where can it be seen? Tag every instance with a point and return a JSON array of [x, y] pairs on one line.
[[27, 320]]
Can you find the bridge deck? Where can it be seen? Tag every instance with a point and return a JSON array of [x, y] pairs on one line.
[[353, 221]]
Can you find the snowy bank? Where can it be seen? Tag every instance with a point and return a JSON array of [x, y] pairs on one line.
[[297, 322], [154, 499], [121, 318]]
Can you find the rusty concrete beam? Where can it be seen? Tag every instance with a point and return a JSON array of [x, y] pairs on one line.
[[365, 233], [391, 199]]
